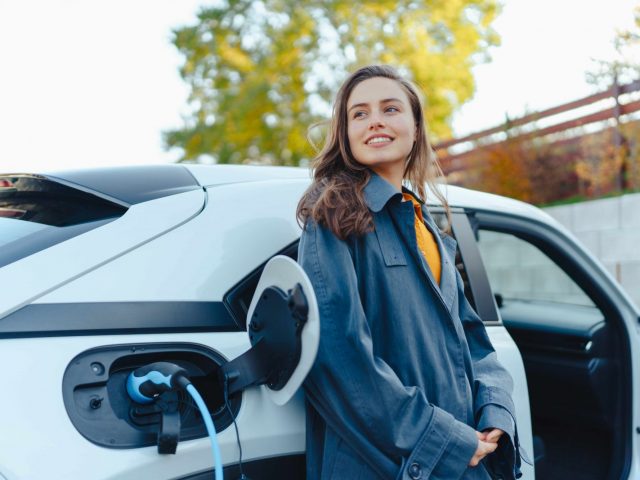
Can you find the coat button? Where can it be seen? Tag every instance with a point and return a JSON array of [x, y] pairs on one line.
[[415, 471]]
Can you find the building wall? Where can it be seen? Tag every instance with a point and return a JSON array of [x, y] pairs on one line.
[[610, 228]]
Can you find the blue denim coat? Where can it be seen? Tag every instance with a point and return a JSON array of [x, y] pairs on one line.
[[405, 372]]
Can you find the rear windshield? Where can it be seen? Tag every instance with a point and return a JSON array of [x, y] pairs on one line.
[[36, 213]]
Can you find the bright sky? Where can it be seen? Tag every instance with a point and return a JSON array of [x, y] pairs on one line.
[[87, 83]]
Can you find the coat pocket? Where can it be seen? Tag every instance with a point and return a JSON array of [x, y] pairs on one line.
[[390, 246]]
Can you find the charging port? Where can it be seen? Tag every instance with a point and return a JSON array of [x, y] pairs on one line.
[[97, 403]]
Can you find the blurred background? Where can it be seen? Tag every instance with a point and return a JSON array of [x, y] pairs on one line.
[[534, 99]]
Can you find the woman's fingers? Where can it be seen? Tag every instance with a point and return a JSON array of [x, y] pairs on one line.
[[487, 443], [494, 435], [484, 449]]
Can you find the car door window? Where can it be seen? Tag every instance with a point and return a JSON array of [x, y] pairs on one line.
[[518, 270]]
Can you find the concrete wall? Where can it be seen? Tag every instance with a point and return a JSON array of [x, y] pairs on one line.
[[610, 228], [518, 270]]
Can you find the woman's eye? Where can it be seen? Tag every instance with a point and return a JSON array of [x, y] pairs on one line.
[[392, 109], [359, 114]]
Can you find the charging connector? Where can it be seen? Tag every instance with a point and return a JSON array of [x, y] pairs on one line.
[[147, 383]]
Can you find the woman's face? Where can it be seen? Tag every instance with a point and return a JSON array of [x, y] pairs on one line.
[[380, 126]]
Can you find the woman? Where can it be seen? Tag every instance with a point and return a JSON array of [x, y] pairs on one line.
[[406, 383]]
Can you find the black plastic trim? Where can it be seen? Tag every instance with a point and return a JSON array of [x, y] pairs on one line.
[[116, 318], [485, 304], [132, 184]]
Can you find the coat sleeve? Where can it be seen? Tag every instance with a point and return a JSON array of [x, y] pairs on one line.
[[492, 388], [392, 426]]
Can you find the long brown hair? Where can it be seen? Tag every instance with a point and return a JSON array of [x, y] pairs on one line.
[[335, 198]]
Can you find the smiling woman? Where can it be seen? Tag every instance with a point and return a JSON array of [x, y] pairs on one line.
[[373, 105], [406, 383]]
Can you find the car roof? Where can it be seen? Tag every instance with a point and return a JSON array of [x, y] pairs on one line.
[[135, 184], [456, 196]]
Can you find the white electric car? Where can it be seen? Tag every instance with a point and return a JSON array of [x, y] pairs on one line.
[[105, 270]]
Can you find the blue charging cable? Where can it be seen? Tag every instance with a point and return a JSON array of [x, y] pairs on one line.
[[211, 429], [146, 383]]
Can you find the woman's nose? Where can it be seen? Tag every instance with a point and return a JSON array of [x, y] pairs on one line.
[[375, 121]]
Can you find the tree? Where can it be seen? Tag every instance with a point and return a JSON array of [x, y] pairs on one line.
[[624, 66], [261, 72]]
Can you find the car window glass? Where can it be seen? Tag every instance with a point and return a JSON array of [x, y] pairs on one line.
[[518, 270], [37, 213]]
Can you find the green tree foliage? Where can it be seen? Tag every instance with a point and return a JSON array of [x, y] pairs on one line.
[[261, 72]]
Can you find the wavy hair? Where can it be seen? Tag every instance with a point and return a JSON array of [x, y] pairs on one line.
[[335, 198]]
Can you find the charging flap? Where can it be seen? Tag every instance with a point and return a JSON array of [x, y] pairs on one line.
[[286, 275]]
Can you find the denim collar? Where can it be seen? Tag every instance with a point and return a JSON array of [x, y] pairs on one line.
[[378, 191]]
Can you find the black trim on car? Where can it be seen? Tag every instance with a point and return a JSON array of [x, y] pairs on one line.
[[485, 305], [116, 318], [132, 184]]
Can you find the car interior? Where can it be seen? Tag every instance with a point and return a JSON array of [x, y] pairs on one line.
[[574, 354]]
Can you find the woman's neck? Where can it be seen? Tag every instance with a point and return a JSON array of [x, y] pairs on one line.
[[391, 175]]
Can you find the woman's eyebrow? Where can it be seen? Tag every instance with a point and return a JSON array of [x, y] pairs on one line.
[[386, 100]]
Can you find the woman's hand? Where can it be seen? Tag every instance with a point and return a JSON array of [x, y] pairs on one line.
[[487, 443]]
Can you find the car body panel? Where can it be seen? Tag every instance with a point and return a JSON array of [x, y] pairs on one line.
[[211, 175], [203, 258], [33, 276]]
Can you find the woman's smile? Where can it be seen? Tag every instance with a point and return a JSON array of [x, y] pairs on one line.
[[379, 141]]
